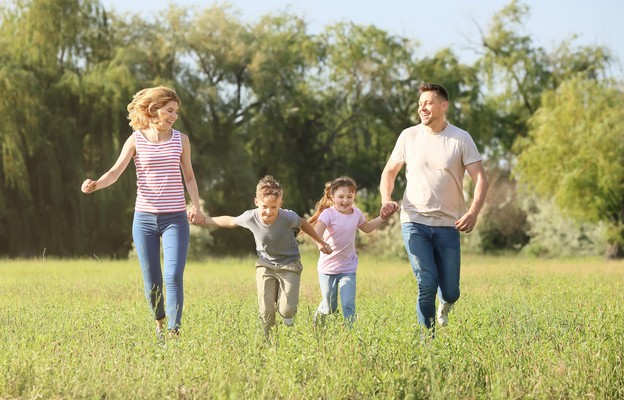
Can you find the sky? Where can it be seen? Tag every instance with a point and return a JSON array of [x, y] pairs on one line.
[[438, 24]]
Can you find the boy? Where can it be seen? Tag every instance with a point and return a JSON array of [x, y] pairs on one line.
[[278, 268]]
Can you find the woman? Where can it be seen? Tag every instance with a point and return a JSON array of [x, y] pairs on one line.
[[162, 157]]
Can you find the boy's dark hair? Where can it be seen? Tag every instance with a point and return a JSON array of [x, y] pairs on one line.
[[434, 87]]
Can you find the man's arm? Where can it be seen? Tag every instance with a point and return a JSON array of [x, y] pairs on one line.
[[468, 221], [386, 185]]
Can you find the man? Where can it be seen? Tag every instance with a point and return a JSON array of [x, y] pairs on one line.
[[433, 210]]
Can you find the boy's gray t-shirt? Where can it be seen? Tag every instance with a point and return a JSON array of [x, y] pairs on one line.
[[275, 243]]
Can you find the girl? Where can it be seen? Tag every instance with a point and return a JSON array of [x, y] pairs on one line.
[[337, 221], [162, 157]]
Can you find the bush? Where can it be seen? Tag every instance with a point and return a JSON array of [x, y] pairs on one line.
[[502, 225], [552, 234]]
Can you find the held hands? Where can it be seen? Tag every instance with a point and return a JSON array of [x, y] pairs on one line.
[[387, 209], [88, 186], [196, 216], [324, 247]]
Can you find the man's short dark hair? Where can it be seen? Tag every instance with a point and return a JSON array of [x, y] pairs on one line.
[[434, 87]]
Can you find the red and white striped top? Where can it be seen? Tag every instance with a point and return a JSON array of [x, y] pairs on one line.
[[159, 178]]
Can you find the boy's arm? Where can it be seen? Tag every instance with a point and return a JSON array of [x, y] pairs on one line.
[[309, 230], [224, 221]]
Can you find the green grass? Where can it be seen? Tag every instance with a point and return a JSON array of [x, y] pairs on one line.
[[523, 328]]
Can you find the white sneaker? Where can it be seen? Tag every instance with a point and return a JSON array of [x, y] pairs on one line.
[[289, 322], [443, 311]]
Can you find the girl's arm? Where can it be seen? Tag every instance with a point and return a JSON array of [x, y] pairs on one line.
[[320, 243], [224, 221], [127, 152], [369, 226], [195, 213]]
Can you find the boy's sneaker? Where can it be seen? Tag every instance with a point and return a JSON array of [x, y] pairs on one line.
[[443, 311], [289, 322]]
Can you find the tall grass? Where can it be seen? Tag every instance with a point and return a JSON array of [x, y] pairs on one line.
[[523, 328]]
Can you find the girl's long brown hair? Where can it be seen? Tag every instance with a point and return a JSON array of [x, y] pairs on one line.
[[330, 189]]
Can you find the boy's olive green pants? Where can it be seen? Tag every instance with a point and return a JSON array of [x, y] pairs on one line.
[[278, 291]]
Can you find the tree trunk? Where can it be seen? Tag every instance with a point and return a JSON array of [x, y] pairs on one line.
[[614, 251]]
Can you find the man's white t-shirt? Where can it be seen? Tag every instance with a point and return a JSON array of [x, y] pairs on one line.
[[435, 168]]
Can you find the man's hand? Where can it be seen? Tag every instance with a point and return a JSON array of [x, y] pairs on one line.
[[389, 208], [466, 223]]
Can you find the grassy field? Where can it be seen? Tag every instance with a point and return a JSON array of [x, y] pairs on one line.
[[523, 328]]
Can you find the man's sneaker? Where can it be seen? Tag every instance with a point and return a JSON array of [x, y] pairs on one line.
[[289, 322], [443, 311]]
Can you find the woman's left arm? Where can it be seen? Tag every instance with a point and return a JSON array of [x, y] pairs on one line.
[[195, 213]]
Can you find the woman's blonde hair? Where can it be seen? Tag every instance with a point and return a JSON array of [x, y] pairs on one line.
[[330, 189], [146, 103], [268, 186]]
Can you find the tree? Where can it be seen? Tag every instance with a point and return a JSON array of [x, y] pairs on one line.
[[48, 113], [575, 153], [515, 72]]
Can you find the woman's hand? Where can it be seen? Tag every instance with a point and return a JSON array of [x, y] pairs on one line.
[[195, 215], [88, 186]]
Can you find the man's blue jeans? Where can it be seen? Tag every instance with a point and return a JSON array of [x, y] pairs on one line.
[[434, 253], [147, 231], [331, 286]]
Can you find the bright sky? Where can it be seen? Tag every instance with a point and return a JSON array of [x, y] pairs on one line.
[[440, 23]]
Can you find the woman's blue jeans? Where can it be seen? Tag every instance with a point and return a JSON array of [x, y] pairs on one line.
[[434, 253], [331, 286], [147, 231]]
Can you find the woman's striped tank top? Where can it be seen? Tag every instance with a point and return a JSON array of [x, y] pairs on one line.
[[159, 178]]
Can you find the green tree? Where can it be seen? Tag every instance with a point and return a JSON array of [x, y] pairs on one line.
[[515, 72], [575, 153], [47, 49]]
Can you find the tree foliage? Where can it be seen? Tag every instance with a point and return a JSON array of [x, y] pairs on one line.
[[261, 97], [516, 72], [575, 151]]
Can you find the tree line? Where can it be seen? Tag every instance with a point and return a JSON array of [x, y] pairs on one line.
[[269, 97]]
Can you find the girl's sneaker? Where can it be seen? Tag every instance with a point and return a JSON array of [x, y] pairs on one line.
[[160, 329]]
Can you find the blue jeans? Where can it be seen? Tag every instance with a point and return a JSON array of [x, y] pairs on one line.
[[331, 285], [434, 253], [147, 231]]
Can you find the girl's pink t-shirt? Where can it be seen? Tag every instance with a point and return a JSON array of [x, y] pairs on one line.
[[340, 235]]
